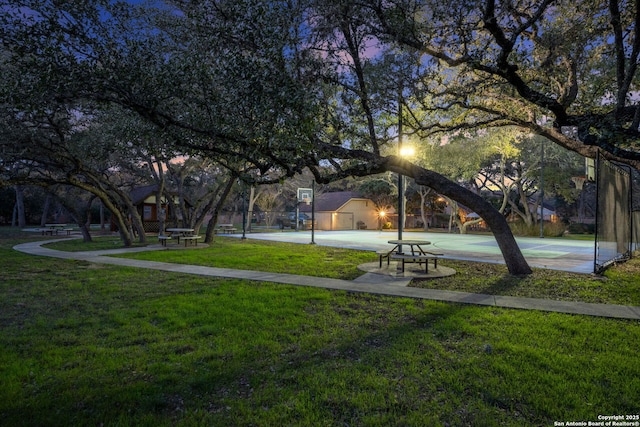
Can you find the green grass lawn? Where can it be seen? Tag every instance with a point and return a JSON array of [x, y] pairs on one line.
[[618, 286], [86, 344], [256, 255]]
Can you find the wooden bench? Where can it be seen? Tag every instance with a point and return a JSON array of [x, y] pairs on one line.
[[419, 258], [68, 230], [193, 239], [163, 239], [47, 231]]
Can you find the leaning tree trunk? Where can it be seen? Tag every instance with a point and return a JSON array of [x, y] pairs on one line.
[[45, 210], [218, 207], [136, 221], [424, 192], [515, 261], [19, 212]]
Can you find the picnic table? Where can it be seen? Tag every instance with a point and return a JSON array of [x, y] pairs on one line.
[[225, 228], [185, 234], [415, 245], [54, 228], [417, 255]]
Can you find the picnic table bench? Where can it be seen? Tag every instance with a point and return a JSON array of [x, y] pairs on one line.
[[382, 254], [417, 254], [163, 239], [54, 228], [193, 239], [419, 258]]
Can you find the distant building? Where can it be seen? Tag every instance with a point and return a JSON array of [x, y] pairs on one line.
[[343, 210], [144, 199], [547, 214]]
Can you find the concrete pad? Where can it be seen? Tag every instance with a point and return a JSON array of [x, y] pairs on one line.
[[411, 271]]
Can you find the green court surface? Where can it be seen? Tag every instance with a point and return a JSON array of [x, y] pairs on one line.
[[552, 253]]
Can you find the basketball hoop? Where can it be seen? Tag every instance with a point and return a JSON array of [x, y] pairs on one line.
[[579, 181], [304, 195]]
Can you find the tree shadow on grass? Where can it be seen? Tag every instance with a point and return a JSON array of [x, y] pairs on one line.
[[504, 285], [344, 358], [478, 278]]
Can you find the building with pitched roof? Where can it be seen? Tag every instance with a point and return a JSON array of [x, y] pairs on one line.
[[144, 198], [343, 210]]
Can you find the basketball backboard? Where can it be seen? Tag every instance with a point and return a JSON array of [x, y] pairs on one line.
[[305, 194]]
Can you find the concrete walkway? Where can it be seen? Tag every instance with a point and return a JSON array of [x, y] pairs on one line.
[[368, 283]]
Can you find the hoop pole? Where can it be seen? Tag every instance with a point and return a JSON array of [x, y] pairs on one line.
[[595, 243], [541, 188], [313, 211]]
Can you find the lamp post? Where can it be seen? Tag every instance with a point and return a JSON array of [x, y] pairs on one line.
[[541, 187], [400, 180], [313, 212], [400, 209], [244, 211], [404, 153]]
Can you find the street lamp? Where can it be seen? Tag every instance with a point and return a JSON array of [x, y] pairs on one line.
[[405, 151], [382, 214]]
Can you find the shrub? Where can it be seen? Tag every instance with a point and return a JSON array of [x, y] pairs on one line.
[[578, 228], [551, 229]]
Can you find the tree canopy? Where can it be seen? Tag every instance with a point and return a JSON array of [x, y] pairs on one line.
[[268, 89], [566, 70]]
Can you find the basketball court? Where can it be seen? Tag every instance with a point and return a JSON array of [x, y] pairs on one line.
[[557, 254]]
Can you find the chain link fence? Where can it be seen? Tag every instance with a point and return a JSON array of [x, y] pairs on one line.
[[617, 213]]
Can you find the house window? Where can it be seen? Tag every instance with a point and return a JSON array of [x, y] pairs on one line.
[[148, 213]]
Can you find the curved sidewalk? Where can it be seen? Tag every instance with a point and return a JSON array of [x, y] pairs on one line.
[[368, 283]]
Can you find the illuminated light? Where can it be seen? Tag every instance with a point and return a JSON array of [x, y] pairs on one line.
[[407, 151]]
